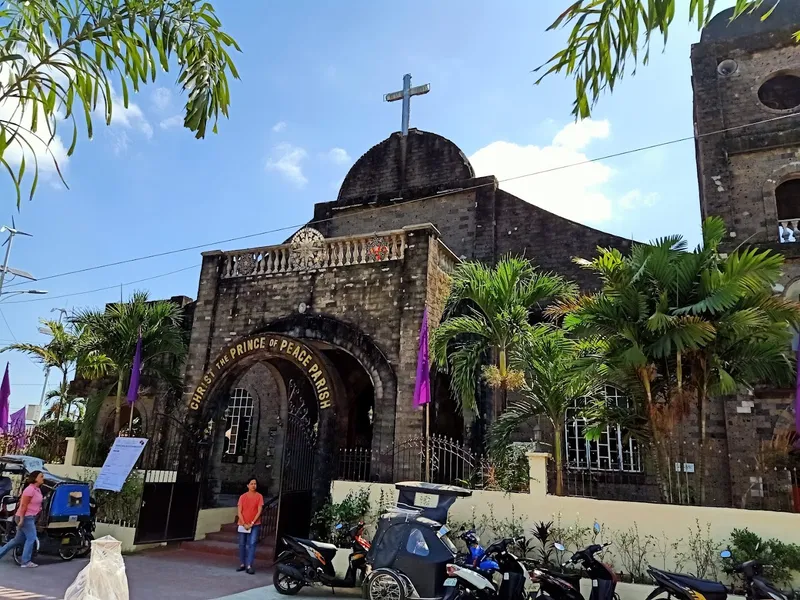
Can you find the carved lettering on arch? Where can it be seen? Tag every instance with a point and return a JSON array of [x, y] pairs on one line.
[[267, 345]]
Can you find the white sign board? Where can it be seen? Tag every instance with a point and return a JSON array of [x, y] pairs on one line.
[[426, 500], [119, 463]]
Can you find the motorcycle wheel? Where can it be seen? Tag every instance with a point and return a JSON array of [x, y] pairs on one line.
[[18, 555], [286, 585], [386, 585], [68, 554]]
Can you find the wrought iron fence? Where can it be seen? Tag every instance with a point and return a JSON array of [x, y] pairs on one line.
[[438, 459]]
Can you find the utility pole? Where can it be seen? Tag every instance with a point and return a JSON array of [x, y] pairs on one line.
[[12, 231]]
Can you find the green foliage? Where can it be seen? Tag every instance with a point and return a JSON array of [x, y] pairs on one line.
[[118, 507], [48, 440], [543, 533], [701, 552], [353, 508], [114, 331], [489, 527], [671, 327], [508, 470], [633, 549], [487, 315], [609, 37], [556, 376], [61, 58], [783, 559]]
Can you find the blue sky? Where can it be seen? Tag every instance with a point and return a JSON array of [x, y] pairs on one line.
[[309, 104]]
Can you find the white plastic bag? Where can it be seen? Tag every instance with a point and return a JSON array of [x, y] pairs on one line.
[[104, 577]]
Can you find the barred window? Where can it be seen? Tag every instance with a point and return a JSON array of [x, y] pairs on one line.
[[613, 451], [238, 422]]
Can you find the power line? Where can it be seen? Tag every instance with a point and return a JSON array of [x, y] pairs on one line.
[[376, 208], [102, 289]]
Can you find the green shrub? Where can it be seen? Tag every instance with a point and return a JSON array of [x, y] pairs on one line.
[[783, 558], [353, 508]]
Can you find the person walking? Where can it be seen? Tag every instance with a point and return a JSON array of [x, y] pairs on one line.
[[251, 503], [30, 505]]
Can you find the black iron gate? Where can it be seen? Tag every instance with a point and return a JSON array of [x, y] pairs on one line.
[[174, 466], [293, 510]]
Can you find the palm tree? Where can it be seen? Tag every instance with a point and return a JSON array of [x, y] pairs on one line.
[[66, 353], [487, 315], [554, 381], [114, 331], [676, 327]]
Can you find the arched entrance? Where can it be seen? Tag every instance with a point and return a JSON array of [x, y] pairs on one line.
[[295, 367]]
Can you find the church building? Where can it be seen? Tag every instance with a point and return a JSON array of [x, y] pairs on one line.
[[303, 352]]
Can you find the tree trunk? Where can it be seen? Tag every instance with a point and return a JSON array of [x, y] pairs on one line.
[[702, 405], [557, 450], [61, 396], [118, 404]]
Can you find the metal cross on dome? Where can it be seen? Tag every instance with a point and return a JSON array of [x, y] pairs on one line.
[[405, 95]]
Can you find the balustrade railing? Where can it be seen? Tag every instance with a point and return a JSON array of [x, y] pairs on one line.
[[789, 231], [315, 252]]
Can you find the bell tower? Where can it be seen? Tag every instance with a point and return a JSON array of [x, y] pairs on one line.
[[746, 82]]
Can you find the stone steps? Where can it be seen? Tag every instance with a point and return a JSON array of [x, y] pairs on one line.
[[226, 543]]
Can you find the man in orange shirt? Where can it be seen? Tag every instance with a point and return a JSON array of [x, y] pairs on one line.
[[251, 503]]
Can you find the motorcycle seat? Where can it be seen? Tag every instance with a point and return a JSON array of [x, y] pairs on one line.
[[710, 589]]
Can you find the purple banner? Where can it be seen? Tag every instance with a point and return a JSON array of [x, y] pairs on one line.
[[422, 387], [5, 394], [133, 388], [17, 429]]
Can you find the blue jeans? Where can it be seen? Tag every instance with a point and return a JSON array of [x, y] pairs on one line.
[[247, 546], [26, 534]]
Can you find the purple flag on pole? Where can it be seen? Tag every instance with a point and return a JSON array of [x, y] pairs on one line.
[[18, 429], [133, 388], [422, 387], [5, 394]]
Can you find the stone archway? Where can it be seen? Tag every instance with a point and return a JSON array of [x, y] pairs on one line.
[[204, 404], [317, 328]]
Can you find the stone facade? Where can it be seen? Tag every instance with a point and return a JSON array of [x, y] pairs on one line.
[[745, 150]]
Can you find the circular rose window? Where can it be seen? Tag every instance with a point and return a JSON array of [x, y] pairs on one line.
[[781, 92]]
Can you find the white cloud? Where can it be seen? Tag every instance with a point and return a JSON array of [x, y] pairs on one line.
[[131, 117], [279, 126], [636, 199], [578, 134], [170, 122], [575, 193], [162, 98], [287, 160], [338, 156]]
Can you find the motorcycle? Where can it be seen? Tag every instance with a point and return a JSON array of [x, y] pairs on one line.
[[467, 582], [686, 587], [308, 562], [556, 586], [476, 554]]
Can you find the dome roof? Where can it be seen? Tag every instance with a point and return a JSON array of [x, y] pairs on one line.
[[785, 17], [421, 159]]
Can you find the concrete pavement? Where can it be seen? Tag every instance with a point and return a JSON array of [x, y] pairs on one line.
[[163, 573]]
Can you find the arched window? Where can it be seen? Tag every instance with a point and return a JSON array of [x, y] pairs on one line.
[[238, 425], [613, 451], [787, 202]]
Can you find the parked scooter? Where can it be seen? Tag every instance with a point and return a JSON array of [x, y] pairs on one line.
[[467, 582], [556, 586], [308, 562], [686, 587], [476, 556]]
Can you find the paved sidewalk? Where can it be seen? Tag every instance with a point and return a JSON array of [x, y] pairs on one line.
[[162, 573], [316, 593]]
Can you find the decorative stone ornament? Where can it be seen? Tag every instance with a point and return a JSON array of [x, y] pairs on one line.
[[307, 249], [378, 249], [245, 264]]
